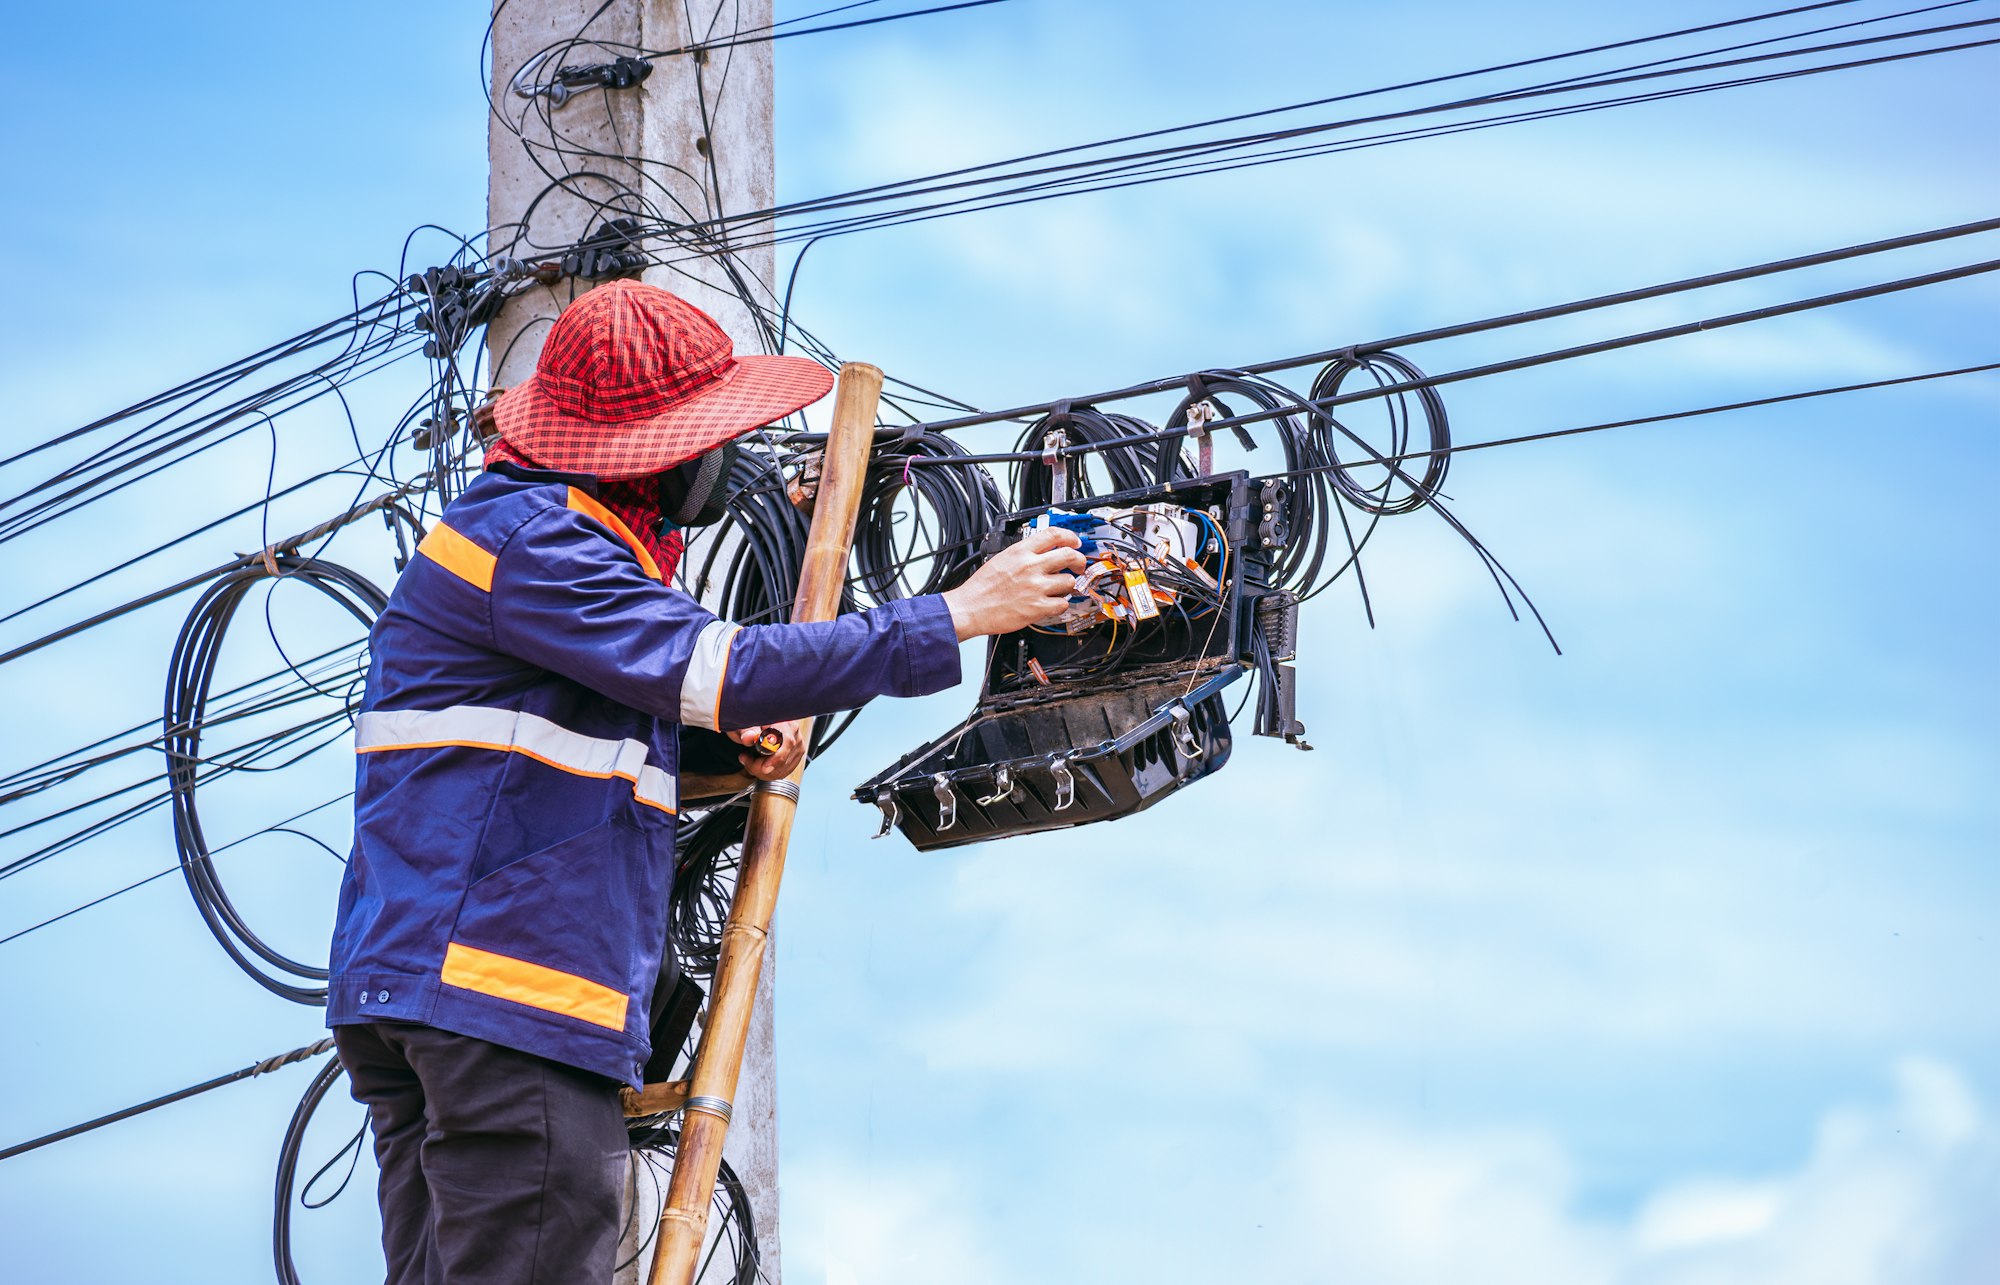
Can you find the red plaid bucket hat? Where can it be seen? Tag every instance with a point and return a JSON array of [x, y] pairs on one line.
[[634, 380]]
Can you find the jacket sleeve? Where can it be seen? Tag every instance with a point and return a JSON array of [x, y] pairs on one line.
[[569, 596]]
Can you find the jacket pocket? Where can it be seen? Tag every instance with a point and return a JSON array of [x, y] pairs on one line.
[[559, 929]]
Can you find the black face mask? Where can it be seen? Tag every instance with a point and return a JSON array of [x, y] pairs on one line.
[[697, 493]]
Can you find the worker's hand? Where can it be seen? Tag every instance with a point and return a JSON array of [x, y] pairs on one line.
[[1027, 581], [772, 767]]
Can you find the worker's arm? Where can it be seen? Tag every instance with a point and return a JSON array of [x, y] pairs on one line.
[[570, 597], [1028, 581]]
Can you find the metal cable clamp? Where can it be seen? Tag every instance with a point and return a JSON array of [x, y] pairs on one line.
[[1199, 417], [1058, 466]]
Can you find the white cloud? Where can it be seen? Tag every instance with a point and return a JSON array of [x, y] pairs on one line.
[[1745, 907], [1897, 1192], [871, 1227]]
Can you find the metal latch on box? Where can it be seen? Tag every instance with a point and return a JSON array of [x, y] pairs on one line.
[[1184, 734], [1065, 783], [892, 811], [947, 799]]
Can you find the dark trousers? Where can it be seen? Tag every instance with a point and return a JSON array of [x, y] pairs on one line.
[[498, 1167]]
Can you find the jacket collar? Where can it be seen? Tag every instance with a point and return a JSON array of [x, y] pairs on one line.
[[584, 482]]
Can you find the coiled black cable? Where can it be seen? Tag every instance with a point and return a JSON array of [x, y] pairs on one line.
[[706, 851], [745, 568], [288, 1168], [1384, 496], [650, 1137], [189, 675], [1129, 455], [1297, 564], [919, 529], [732, 1222]]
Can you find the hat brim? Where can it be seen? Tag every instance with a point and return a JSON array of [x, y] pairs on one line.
[[758, 391]]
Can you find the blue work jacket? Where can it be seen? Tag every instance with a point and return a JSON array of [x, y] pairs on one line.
[[518, 748]]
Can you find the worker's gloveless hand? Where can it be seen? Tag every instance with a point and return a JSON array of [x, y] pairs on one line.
[[772, 767], [1027, 581]]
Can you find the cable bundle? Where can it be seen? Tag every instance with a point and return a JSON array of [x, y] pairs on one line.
[[1384, 498], [1129, 450], [706, 851], [949, 512], [733, 1254], [746, 567], [1296, 565], [190, 674]]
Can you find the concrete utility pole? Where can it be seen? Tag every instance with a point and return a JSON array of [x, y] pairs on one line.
[[696, 140]]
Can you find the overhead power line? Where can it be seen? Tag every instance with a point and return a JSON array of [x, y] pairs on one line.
[[1550, 312], [1090, 173], [276, 827], [264, 1067], [769, 33], [1777, 399]]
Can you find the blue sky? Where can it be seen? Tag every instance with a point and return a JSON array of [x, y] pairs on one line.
[[1662, 962]]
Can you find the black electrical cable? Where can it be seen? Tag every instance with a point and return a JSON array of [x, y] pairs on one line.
[[257, 696], [1405, 386], [753, 37], [269, 1064], [273, 828], [390, 503], [1777, 399], [1387, 368], [936, 182], [125, 564], [191, 671], [1047, 177], [1114, 440], [745, 568], [1461, 330], [1113, 177], [288, 1168], [243, 758], [181, 434], [732, 1221], [707, 849], [919, 531], [1302, 436], [288, 1161]]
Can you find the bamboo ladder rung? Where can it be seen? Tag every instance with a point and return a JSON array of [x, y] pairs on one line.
[[655, 1099], [700, 787]]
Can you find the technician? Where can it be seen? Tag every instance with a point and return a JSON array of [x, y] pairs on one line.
[[534, 684]]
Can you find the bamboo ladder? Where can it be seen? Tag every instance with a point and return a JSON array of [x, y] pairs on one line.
[[704, 1097]]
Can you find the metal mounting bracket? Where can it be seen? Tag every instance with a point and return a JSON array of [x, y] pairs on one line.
[[1053, 446], [1199, 416]]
